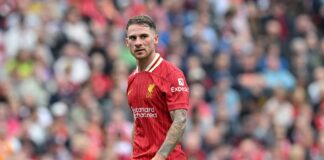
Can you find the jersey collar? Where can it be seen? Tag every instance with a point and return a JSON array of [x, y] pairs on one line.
[[155, 63]]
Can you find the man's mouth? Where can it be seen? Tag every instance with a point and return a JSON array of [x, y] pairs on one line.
[[139, 50]]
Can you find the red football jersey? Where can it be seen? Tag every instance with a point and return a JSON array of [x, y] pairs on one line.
[[151, 95]]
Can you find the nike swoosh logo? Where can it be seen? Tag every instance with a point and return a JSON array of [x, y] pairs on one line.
[[130, 91]]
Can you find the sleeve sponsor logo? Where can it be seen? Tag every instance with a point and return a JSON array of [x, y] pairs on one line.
[[179, 89]]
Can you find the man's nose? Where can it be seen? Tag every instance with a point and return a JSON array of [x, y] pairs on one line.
[[138, 42]]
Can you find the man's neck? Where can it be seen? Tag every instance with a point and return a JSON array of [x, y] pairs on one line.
[[143, 63]]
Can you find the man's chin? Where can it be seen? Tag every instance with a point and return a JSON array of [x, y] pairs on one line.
[[141, 55]]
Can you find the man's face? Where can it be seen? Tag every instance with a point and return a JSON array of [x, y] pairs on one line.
[[141, 40]]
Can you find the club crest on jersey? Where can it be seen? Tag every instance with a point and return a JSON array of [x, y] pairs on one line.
[[181, 82], [150, 89]]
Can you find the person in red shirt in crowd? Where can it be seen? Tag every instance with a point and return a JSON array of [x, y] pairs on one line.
[[158, 95], [249, 149]]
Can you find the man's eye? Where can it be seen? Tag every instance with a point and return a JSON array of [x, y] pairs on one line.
[[132, 38], [143, 36]]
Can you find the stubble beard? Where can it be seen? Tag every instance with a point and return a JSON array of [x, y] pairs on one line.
[[143, 56]]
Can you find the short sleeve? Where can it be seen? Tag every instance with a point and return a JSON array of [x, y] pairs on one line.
[[177, 91]]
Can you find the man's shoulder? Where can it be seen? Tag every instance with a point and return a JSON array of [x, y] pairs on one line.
[[170, 68], [132, 75]]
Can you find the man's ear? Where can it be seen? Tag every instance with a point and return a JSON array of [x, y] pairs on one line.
[[156, 38], [126, 42]]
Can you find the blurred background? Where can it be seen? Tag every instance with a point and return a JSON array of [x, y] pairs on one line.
[[254, 67]]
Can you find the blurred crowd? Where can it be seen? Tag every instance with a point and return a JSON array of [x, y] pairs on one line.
[[255, 70]]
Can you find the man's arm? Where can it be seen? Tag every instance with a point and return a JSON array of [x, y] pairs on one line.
[[133, 134], [174, 134]]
